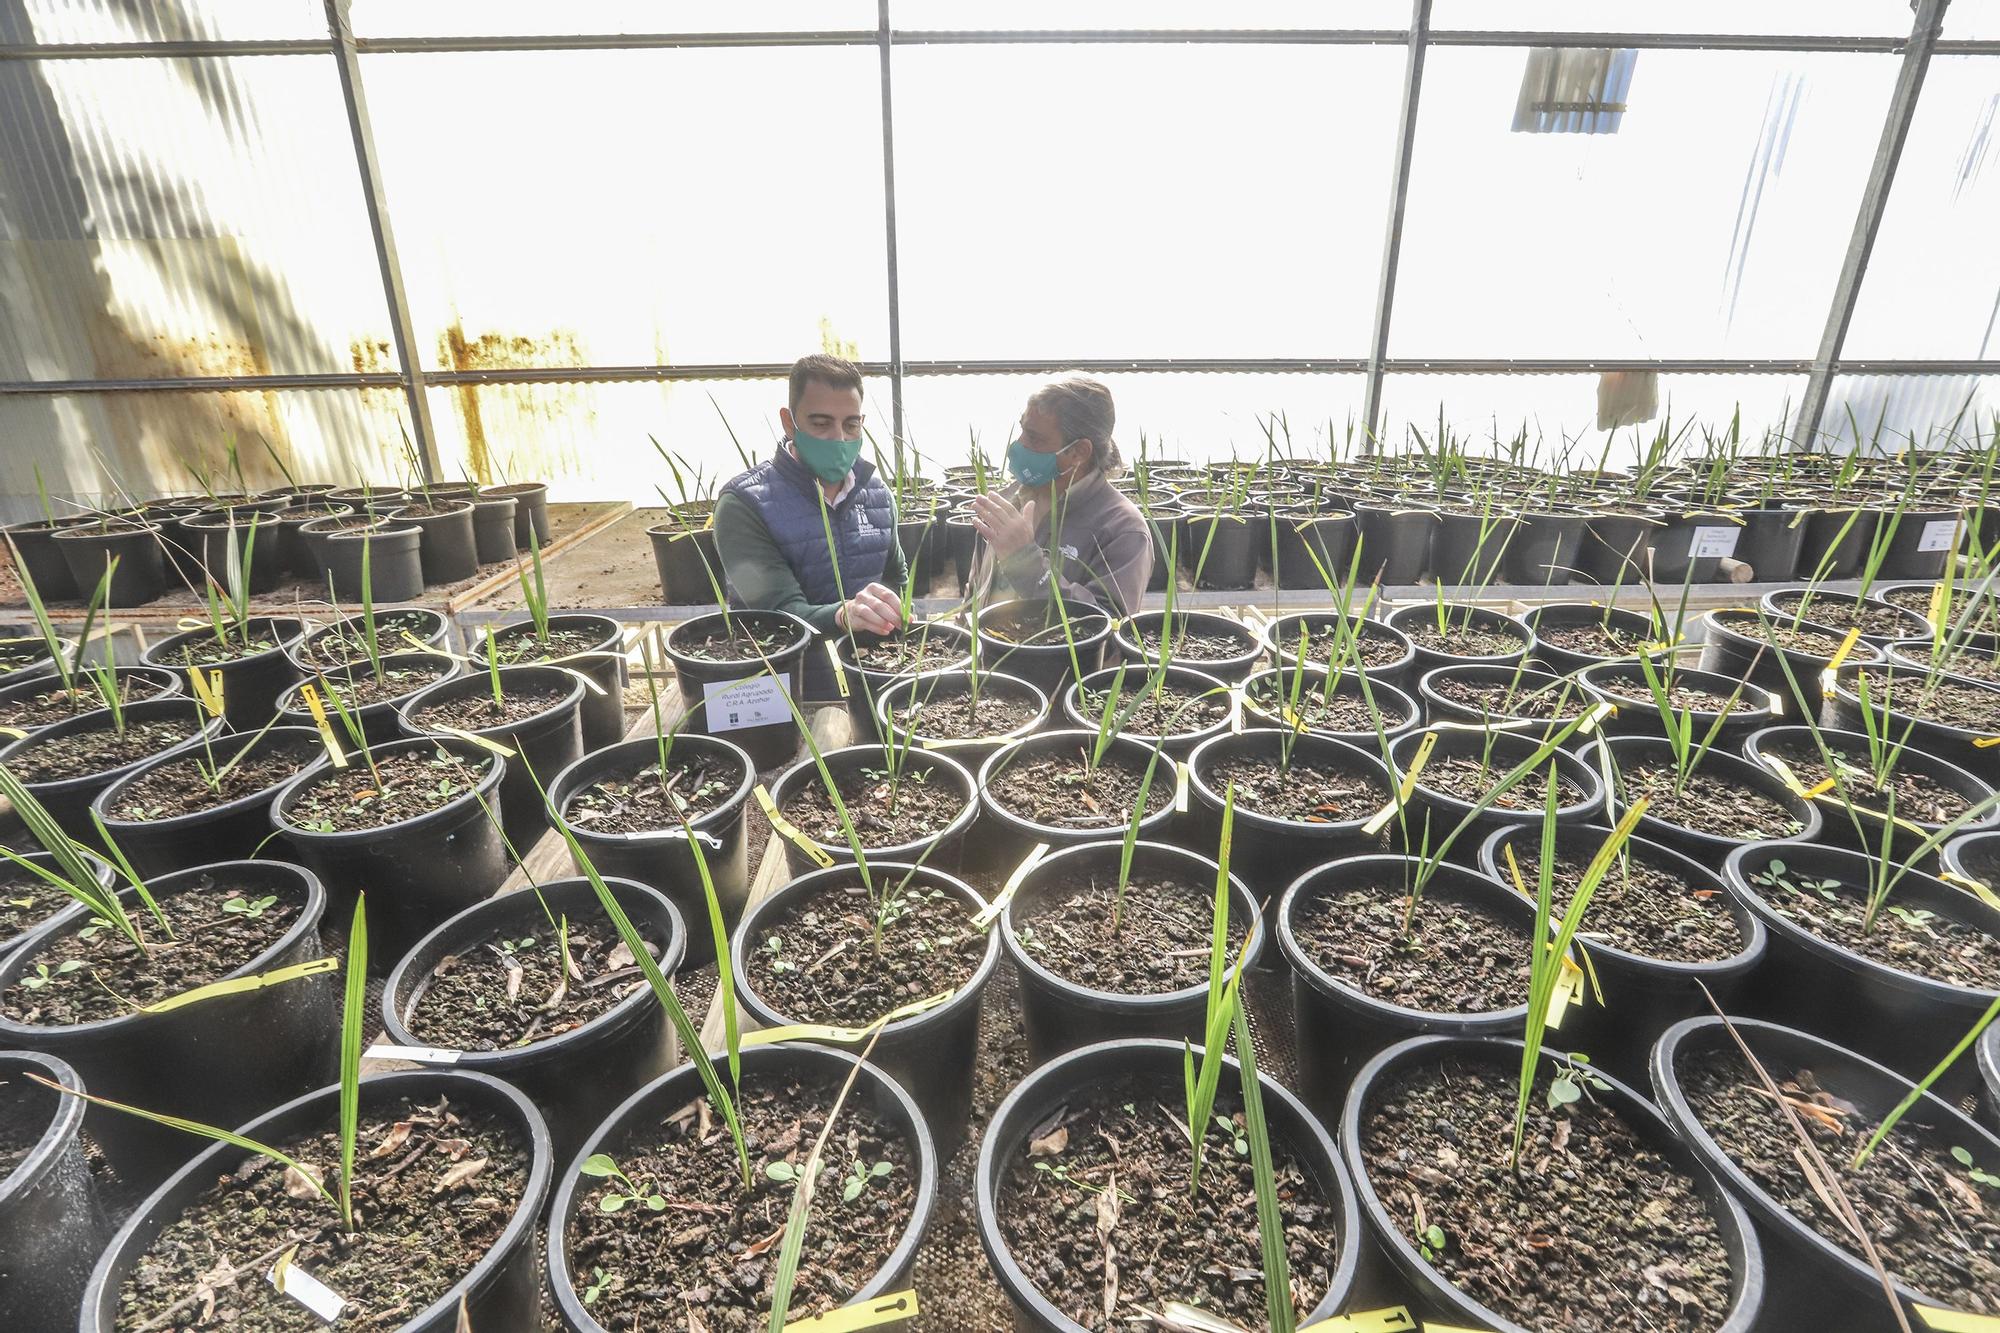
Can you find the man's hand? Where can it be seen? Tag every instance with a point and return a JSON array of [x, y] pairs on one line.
[[873, 610], [1005, 528]]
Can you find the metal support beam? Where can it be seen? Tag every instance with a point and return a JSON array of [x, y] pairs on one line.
[[348, 61], [882, 34], [1868, 220], [1392, 242]]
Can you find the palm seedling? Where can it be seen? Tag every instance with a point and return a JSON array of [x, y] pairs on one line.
[[72, 873]]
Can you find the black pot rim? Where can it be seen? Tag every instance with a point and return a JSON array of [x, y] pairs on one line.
[[1844, 691], [804, 886], [558, 1276], [1952, 854], [195, 818], [453, 809], [1967, 908], [1571, 765], [1125, 633], [517, 489], [1720, 628], [1428, 692], [407, 710], [842, 647], [1319, 741], [381, 527], [453, 506], [1674, 1105], [1363, 626], [1153, 822], [1470, 611], [466, 924], [807, 769], [309, 919], [1769, 603], [291, 701], [565, 785], [1949, 773], [1073, 703], [1413, 715], [1729, 1214], [134, 712], [1026, 963], [63, 1126], [1767, 702], [534, 1193], [287, 630], [1756, 775], [886, 696], [986, 1169], [129, 529], [439, 627], [1079, 618], [791, 652]]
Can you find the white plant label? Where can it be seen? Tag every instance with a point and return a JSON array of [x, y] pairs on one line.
[[1937, 534], [309, 1291], [1715, 541], [735, 704], [423, 1055]]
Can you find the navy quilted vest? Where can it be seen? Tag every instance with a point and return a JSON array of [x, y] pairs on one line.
[[786, 494]]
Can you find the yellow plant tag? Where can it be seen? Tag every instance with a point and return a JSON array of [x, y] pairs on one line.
[[1986, 742], [483, 742], [890, 1309], [588, 683], [991, 912], [839, 670], [207, 687], [1973, 887], [784, 828], [1936, 614], [318, 711], [1381, 818], [1394, 1319], [417, 645], [237, 985], [845, 1036], [15, 732], [1785, 773], [1846, 647], [1180, 789], [1596, 715], [1819, 788], [1957, 1321], [1568, 991]]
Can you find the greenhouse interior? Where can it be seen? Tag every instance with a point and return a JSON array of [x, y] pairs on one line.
[[742, 665]]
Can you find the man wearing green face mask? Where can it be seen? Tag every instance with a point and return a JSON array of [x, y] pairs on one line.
[[771, 522]]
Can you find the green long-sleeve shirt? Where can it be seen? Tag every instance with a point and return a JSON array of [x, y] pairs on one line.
[[762, 579]]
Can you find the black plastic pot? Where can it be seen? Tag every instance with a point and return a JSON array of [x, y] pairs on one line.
[[257, 539], [232, 831], [1007, 837], [1623, 686], [1954, 745], [1219, 550], [68, 799], [1833, 549], [1733, 645], [661, 860], [447, 548], [35, 550], [23, 656], [1469, 544], [493, 528], [1921, 541], [1563, 661], [1046, 664], [1905, 1020], [1062, 1082], [970, 751], [432, 631], [220, 1060], [1613, 551], [51, 1225], [1703, 845], [134, 683], [544, 744], [1838, 828], [1395, 542], [1303, 537], [1643, 995], [577, 1077], [931, 1055], [727, 699], [1058, 1014], [1131, 644], [380, 721], [1393, 1249], [377, 500], [1783, 603], [1338, 1028], [141, 575], [864, 685], [687, 560], [1772, 539], [416, 873], [1166, 525], [644, 1109], [501, 1294], [1444, 813], [1459, 616], [1689, 547], [252, 683], [531, 511], [1401, 672], [1570, 697], [1545, 547], [1399, 712], [930, 766], [1989, 1076], [300, 557], [395, 561], [1970, 857], [961, 541], [1181, 743], [603, 708], [1816, 1284]]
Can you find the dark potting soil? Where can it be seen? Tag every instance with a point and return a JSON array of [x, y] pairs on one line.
[[1974, 663], [1159, 941], [1790, 635], [1172, 710], [1975, 708], [45, 707], [705, 1258], [1459, 639], [818, 961], [98, 749], [1308, 792], [885, 812], [1508, 699], [1918, 797], [434, 1187], [402, 786], [1632, 695], [1026, 634], [181, 787], [1341, 713], [337, 645], [1936, 1229], [1981, 860], [79, 976], [1642, 906], [502, 991], [951, 717], [207, 649], [419, 509], [476, 711], [908, 652], [746, 644], [1844, 616], [360, 687], [1058, 790], [1708, 803], [1593, 639], [1457, 959], [1193, 645], [1913, 939], [1595, 1233], [642, 803], [1374, 646], [26, 899], [1464, 778], [517, 643], [1097, 1210]]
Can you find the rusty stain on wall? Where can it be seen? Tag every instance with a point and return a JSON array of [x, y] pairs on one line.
[[370, 356], [553, 402]]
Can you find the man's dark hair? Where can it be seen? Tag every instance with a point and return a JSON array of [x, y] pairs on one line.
[[835, 372]]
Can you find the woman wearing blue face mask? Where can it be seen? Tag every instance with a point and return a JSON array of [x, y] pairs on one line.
[[1062, 518]]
